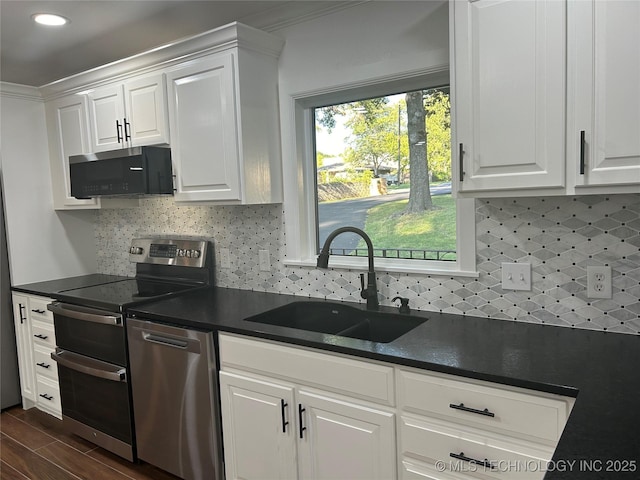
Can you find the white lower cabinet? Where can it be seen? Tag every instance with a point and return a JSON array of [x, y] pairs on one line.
[[344, 439], [35, 339], [449, 427], [285, 428], [293, 412], [259, 434]]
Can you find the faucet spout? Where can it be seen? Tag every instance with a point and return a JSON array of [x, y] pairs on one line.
[[370, 292]]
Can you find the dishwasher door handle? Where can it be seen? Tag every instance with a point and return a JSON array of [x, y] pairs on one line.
[[89, 366], [86, 314], [162, 339], [165, 341]]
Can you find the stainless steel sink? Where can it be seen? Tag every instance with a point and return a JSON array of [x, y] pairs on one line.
[[339, 319]]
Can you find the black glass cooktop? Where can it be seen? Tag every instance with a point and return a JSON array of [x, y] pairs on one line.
[[51, 287], [116, 296]]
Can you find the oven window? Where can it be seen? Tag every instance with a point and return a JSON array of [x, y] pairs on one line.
[[96, 402], [100, 341]]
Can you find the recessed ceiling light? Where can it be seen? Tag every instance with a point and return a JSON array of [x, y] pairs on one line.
[[49, 19]]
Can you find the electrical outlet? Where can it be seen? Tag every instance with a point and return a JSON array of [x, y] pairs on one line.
[[225, 258], [598, 282], [265, 261], [516, 276]]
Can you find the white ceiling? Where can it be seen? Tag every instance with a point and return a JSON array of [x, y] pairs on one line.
[[102, 31]]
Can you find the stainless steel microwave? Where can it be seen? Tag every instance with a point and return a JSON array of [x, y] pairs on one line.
[[128, 171]]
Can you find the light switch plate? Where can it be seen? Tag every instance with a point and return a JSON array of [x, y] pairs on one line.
[[265, 261], [516, 276], [225, 258]]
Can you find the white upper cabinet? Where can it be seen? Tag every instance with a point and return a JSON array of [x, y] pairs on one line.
[[129, 114], [223, 114], [516, 132], [68, 130], [509, 93], [603, 138], [203, 122]]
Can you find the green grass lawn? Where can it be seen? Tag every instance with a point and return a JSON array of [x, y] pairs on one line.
[[389, 227]]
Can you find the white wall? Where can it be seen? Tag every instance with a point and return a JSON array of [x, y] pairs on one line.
[[362, 43], [43, 244]]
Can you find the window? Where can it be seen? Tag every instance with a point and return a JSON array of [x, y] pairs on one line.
[[310, 160], [379, 172]]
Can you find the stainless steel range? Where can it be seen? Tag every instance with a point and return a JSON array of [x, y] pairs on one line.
[[91, 353]]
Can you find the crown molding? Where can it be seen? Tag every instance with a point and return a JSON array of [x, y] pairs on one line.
[[233, 35], [22, 92]]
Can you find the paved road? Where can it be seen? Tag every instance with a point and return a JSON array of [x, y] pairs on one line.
[[353, 213]]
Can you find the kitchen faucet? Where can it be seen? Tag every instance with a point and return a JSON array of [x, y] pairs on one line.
[[371, 291]]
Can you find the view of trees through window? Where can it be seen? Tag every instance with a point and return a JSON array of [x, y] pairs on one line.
[[384, 165]]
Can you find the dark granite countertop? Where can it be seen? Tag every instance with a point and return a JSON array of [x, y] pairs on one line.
[[601, 369]]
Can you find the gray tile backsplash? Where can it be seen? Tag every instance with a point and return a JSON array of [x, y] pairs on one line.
[[559, 236]]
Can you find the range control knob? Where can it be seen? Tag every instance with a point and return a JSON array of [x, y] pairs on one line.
[[188, 252], [195, 253], [136, 250], [180, 252]]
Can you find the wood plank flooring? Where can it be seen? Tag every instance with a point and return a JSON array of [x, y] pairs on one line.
[[35, 446]]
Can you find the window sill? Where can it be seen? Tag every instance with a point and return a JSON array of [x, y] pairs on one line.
[[389, 265]]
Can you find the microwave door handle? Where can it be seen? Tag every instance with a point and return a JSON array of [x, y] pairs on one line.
[[86, 314], [89, 366]]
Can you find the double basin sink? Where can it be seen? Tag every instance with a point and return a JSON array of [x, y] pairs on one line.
[[341, 320]]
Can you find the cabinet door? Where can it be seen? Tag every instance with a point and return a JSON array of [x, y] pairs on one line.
[[204, 141], [24, 346], [106, 115], [509, 93], [344, 440], [146, 120], [68, 135], [604, 69], [258, 427]]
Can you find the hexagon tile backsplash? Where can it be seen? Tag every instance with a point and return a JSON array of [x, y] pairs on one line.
[[559, 236]]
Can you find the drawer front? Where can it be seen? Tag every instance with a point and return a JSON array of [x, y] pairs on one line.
[[44, 364], [369, 381], [48, 397], [38, 309], [414, 470], [454, 451], [44, 335], [483, 406]]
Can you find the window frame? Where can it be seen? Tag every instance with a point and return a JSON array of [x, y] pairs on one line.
[[299, 175]]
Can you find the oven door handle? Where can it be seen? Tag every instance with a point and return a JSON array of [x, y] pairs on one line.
[[84, 313], [89, 366]]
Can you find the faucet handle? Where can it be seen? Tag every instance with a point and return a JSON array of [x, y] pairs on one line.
[[404, 304], [363, 288]]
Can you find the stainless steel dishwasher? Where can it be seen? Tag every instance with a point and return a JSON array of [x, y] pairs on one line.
[[175, 399]]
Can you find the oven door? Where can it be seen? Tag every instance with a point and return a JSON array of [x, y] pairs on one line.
[[95, 401], [88, 331]]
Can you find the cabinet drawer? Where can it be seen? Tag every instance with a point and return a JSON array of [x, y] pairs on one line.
[[411, 469], [43, 364], [332, 372], [48, 395], [496, 457], [484, 405], [44, 335], [38, 309]]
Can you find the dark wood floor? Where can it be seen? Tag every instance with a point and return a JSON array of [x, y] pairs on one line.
[[33, 445]]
